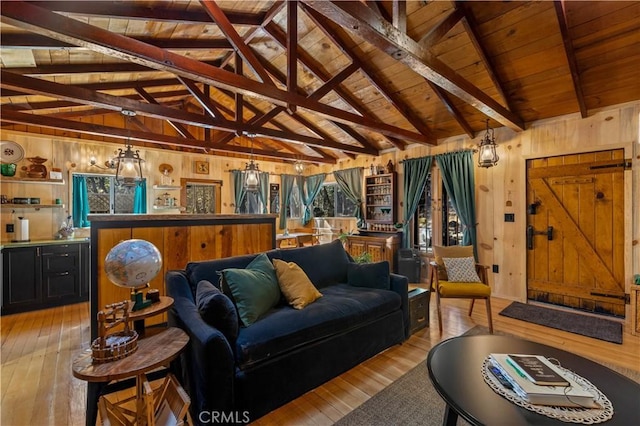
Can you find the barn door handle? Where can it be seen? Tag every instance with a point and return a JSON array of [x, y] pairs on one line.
[[531, 232]]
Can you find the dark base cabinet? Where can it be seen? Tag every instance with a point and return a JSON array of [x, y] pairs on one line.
[[42, 276]]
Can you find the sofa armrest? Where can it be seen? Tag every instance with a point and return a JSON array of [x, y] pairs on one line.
[[208, 364], [400, 284]]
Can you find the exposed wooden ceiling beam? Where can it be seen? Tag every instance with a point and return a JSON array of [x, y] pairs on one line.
[[33, 18], [224, 24], [103, 100], [132, 135], [36, 41], [128, 10], [571, 56], [399, 15], [205, 101], [292, 50], [179, 127], [334, 81], [336, 35], [449, 105], [470, 26], [366, 24], [440, 29]]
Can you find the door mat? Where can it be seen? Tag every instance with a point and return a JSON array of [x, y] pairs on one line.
[[585, 325]]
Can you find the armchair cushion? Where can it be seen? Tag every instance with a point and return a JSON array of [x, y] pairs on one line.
[[461, 269], [463, 290], [441, 252]]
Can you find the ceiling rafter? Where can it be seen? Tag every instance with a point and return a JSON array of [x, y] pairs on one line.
[[30, 17], [205, 101], [399, 15], [441, 28], [178, 127], [36, 41], [453, 110], [127, 10], [224, 24], [308, 62], [366, 24], [470, 26], [571, 56], [335, 35], [87, 97], [292, 50], [158, 140]]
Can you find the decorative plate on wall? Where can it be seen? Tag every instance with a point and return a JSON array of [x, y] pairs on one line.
[[10, 152]]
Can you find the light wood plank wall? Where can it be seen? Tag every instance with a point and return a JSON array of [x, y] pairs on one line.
[[499, 243]]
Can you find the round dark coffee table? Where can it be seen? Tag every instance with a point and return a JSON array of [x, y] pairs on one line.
[[455, 368]]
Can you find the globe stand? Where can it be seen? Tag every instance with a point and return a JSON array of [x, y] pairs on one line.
[[138, 300]]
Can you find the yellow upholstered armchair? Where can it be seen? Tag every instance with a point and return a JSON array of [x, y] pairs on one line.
[[454, 274]]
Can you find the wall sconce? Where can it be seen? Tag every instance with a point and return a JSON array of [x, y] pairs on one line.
[[251, 173], [487, 156], [298, 167], [128, 160]]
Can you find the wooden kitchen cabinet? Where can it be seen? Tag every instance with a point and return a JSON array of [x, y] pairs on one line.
[[380, 248]]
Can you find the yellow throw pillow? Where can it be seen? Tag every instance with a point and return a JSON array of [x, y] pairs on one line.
[[441, 252], [294, 284]]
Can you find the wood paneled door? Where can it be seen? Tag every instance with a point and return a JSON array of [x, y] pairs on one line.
[[575, 231]]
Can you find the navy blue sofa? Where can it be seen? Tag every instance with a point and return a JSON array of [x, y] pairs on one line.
[[287, 352]]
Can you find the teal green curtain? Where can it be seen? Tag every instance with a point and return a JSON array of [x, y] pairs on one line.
[[350, 182], [313, 186], [458, 178], [140, 197], [263, 192], [238, 188], [416, 172], [287, 188], [80, 207]]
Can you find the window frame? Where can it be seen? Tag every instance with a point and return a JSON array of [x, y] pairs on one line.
[[335, 202]]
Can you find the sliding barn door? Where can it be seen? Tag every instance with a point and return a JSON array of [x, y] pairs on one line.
[[575, 231]]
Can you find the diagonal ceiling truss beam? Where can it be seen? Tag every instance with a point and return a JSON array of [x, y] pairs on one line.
[[33, 18], [361, 21], [154, 138]]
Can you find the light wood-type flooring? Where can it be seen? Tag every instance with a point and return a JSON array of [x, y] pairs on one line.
[[39, 389]]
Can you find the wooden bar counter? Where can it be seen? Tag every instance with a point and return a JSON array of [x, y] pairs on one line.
[[181, 238]]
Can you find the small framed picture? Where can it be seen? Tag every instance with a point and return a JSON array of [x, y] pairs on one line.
[[202, 167]]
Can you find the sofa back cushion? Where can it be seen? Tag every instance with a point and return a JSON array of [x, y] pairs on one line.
[[324, 264], [210, 270], [371, 275]]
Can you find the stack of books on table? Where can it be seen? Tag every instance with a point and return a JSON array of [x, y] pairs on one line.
[[538, 381]]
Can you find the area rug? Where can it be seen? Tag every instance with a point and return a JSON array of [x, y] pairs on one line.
[[412, 400], [585, 325]]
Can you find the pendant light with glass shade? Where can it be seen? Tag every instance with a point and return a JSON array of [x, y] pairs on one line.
[[251, 172], [298, 166], [128, 163], [487, 156]]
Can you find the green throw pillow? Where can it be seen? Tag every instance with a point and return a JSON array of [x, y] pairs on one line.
[[254, 289]]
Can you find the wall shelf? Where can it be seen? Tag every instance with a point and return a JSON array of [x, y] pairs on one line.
[[7, 179], [31, 206], [167, 187]]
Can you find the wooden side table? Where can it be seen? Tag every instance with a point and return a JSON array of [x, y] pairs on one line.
[[137, 317], [153, 352]]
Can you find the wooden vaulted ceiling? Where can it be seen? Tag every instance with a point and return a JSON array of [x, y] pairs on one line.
[[309, 80]]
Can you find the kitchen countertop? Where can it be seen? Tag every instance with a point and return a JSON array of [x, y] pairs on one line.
[[10, 244]]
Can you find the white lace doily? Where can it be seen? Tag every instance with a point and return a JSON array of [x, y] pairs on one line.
[[586, 416]]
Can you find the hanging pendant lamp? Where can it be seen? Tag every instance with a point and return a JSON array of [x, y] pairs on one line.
[[487, 156], [127, 162], [251, 173]]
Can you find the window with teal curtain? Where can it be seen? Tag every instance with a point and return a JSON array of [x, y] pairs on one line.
[[350, 181], [416, 172], [263, 193], [237, 176], [287, 188], [140, 197], [80, 207], [458, 179], [313, 186]]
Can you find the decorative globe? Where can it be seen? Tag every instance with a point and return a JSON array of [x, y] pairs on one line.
[[133, 263]]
